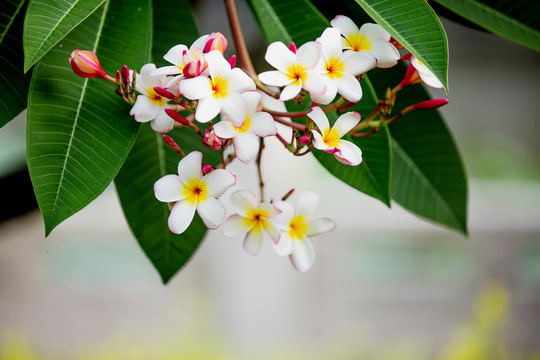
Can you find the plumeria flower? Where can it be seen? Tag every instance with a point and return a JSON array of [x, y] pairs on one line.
[[150, 106], [329, 139], [220, 92], [180, 57], [295, 70], [251, 221], [297, 228], [211, 139], [216, 41], [340, 69], [425, 74], [371, 38], [190, 190], [86, 64], [245, 138]]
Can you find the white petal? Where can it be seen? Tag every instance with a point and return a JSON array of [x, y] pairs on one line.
[[168, 188], [175, 54], [431, 80], [346, 122], [166, 70], [212, 212], [146, 70], [262, 124], [303, 255], [349, 153], [349, 88], [239, 81], [315, 83], [252, 99], [196, 88], [309, 54], [374, 32], [272, 230], [319, 118], [386, 54], [274, 78], [345, 25], [357, 63], [318, 142], [217, 65], [246, 146], [207, 108], [225, 129], [243, 202], [307, 201], [329, 94], [200, 42], [218, 181], [181, 216], [320, 226], [283, 219], [279, 56], [189, 168], [290, 91], [235, 226], [284, 246], [234, 107], [330, 41], [163, 123], [144, 109], [253, 241]]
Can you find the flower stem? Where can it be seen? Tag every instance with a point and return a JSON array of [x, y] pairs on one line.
[[258, 161], [288, 123]]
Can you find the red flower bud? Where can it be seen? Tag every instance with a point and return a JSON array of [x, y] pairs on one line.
[[177, 117], [207, 169], [86, 64], [162, 92], [304, 140], [430, 104], [292, 47], [232, 61], [216, 41], [126, 79]]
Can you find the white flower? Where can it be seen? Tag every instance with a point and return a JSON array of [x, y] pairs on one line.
[[425, 74], [253, 219], [219, 93], [180, 56], [329, 139], [190, 191], [297, 227], [150, 106], [246, 137], [295, 71], [371, 38], [340, 69]]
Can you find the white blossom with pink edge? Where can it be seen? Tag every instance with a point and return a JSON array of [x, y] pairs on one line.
[[245, 138], [295, 71], [371, 38], [340, 69], [297, 228], [190, 191], [329, 139], [150, 106], [219, 93], [425, 74], [252, 220]]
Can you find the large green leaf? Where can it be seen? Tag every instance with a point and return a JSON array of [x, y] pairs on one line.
[[49, 21], [515, 20], [416, 26], [428, 177], [13, 83], [149, 160], [279, 21], [78, 131]]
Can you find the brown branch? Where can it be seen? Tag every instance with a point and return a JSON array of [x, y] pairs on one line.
[[241, 48]]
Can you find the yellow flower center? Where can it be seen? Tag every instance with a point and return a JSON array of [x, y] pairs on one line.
[[297, 73], [257, 219], [155, 98], [331, 138], [220, 86], [245, 126], [358, 42], [195, 191], [298, 227], [335, 68]]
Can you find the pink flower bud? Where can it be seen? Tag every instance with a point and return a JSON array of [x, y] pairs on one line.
[[304, 140], [195, 62], [126, 78], [162, 92], [430, 104], [173, 145], [86, 64], [232, 61], [292, 47], [177, 117], [216, 41], [207, 169], [211, 139]]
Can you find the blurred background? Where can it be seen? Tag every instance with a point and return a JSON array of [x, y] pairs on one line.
[[385, 285]]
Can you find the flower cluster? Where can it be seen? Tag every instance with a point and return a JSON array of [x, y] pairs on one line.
[[228, 108]]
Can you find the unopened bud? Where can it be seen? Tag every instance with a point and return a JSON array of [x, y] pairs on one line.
[[125, 75], [211, 139], [232, 61], [207, 169], [177, 117], [195, 62], [86, 64], [430, 104], [396, 43], [292, 47], [304, 140], [216, 41], [162, 92], [172, 144]]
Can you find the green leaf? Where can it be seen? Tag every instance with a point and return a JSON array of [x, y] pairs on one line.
[[173, 24], [78, 131], [49, 21], [13, 82], [428, 177], [149, 160], [416, 26], [515, 20], [280, 22]]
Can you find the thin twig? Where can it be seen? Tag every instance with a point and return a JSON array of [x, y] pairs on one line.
[[241, 48], [258, 161]]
